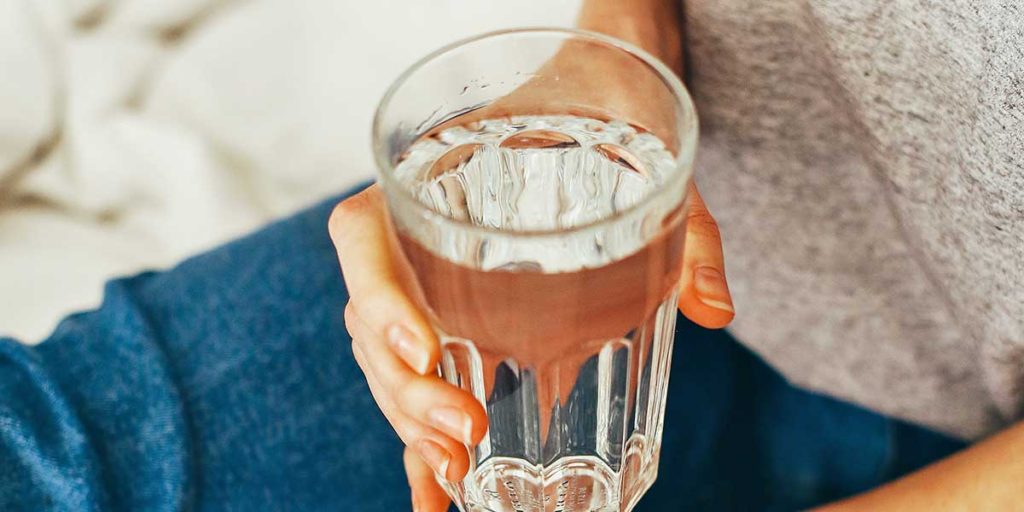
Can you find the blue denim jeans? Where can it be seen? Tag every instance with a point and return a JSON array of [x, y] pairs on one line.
[[227, 384]]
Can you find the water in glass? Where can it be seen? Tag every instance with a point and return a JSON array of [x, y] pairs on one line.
[[565, 340]]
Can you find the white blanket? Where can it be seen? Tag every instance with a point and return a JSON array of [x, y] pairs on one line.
[[134, 133]]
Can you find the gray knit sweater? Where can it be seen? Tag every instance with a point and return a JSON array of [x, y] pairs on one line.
[[865, 160]]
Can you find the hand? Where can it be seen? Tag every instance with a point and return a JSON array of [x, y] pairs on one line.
[[392, 340], [397, 351]]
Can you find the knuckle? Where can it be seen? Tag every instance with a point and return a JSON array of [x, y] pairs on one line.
[[409, 459], [351, 315], [339, 218], [701, 221], [352, 208], [355, 322], [357, 354]]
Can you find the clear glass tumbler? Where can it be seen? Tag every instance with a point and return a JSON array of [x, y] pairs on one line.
[[536, 181]]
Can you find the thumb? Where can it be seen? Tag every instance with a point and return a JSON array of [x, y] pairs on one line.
[[705, 297]]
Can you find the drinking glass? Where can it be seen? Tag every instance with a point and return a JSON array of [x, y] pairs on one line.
[[536, 181]]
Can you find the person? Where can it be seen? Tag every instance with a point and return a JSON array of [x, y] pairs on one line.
[[863, 162]]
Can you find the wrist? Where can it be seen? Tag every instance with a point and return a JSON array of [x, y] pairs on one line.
[[653, 25]]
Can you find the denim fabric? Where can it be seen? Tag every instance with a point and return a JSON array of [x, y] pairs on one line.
[[227, 384]]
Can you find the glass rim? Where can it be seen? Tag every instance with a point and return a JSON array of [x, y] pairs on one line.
[[687, 127]]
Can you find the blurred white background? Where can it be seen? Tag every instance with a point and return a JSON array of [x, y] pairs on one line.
[[134, 133]]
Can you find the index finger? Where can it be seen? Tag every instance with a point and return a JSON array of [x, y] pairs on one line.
[[376, 279]]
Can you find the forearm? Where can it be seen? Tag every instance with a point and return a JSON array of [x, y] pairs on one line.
[[654, 25], [987, 476]]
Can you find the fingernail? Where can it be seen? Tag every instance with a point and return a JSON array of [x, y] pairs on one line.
[[402, 342], [712, 289], [435, 456], [452, 421]]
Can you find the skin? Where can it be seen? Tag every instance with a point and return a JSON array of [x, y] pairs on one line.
[[986, 476], [392, 340], [397, 350]]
